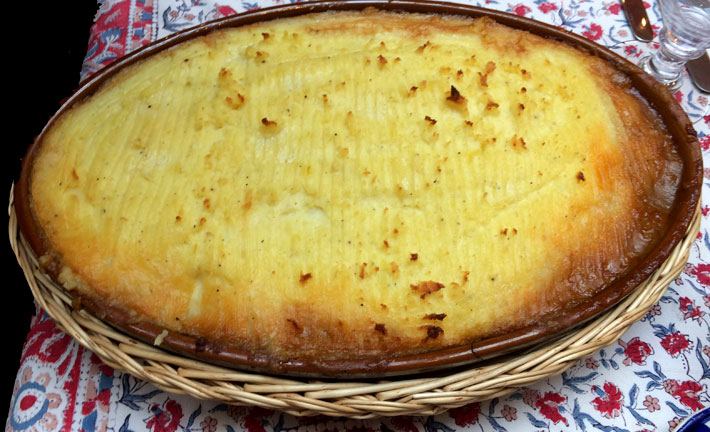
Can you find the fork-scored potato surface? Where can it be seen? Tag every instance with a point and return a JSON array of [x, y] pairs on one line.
[[353, 185]]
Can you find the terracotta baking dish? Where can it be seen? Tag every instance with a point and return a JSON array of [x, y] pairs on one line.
[[552, 326]]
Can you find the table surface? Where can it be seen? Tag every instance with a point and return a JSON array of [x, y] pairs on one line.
[[655, 375]]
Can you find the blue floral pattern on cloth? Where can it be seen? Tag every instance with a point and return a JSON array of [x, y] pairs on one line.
[[657, 374]]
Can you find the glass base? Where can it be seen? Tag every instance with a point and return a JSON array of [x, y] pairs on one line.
[[672, 84]]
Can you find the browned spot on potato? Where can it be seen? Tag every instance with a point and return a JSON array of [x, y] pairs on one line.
[[483, 76], [518, 143], [423, 47], [432, 331], [362, 273], [455, 96], [268, 123], [426, 287], [235, 102], [248, 200], [304, 277]]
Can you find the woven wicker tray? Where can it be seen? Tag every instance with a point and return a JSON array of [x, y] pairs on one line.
[[421, 396]]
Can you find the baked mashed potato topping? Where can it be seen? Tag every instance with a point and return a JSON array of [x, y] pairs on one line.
[[353, 185]]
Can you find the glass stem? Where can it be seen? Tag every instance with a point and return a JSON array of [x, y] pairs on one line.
[[666, 66]]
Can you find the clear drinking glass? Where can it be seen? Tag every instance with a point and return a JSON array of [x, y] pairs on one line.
[[685, 36]]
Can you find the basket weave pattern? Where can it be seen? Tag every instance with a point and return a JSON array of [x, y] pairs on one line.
[[397, 396]]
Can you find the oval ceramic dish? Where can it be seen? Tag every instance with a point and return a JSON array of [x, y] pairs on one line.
[[552, 324]]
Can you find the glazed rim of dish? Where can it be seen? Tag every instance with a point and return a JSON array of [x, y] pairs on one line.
[[677, 125]]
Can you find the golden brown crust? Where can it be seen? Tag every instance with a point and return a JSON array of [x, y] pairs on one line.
[[629, 165]]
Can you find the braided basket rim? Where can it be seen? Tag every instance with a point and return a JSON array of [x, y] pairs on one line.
[[342, 398]]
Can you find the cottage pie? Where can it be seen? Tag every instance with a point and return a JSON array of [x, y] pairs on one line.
[[351, 186]]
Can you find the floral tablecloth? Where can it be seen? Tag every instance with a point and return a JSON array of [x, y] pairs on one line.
[[657, 374]]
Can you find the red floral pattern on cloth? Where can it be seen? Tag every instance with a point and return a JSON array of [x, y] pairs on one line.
[[686, 392], [549, 406], [60, 386], [165, 417], [636, 351], [675, 343], [609, 401], [657, 374], [466, 415]]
